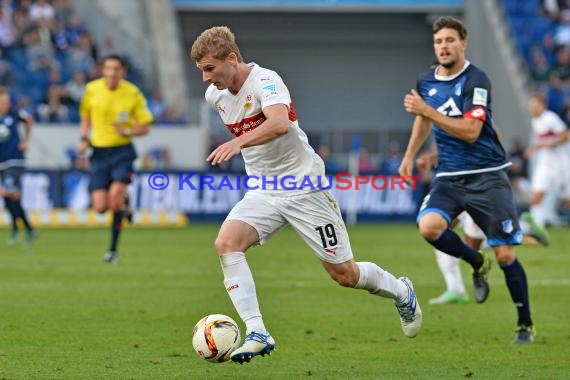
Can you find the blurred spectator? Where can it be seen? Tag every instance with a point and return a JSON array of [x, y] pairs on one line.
[[77, 161], [331, 166], [94, 71], [41, 12], [51, 110], [25, 103], [40, 56], [7, 30], [74, 30], [555, 95], [157, 105], [562, 31], [59, 37], [540, 68], [74, 89], [516, 156], [391, 164], [108, 47], [365, 164], [553, 8], [172, 116], [157, 158], [81, 56], [5, 73], [63, 10], [563, 63]]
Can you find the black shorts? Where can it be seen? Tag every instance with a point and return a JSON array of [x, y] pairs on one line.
[[487, 197], [11, 179], [109, 165]]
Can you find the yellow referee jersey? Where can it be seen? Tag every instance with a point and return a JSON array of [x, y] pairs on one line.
[[103, 107]]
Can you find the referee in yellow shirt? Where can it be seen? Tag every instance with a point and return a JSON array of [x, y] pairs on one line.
[[112, 112]]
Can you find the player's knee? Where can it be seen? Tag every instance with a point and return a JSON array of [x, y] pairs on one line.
[[431, 226], [225, 244], [505, 256], [431, 231], [100, 208]]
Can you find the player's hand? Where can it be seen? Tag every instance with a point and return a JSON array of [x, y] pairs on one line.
[[413, 103], [224, 152], [82, 147], [406, 169], [23, 146], [118, 127]]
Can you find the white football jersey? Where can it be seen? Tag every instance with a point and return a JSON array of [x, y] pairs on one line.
[[547, 127], [285, 156]]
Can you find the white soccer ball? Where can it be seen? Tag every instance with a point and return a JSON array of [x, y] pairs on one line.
[[215, 337]]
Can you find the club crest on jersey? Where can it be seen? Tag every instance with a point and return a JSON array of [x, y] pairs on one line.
[[458, 89], [480, 96], [508, 226], [248, 102], [449, 108]]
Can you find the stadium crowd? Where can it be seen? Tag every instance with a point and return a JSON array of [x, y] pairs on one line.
[[47, 55]]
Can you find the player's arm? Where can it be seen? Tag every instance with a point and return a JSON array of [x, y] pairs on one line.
[[561, 138], [420, 132], [276, 124], [467, 129], [28, 121], [84, 129], [136, 130], [143, 118]]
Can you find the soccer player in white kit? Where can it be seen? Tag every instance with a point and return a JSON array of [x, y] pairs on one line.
[[552, 160], [255, 105]]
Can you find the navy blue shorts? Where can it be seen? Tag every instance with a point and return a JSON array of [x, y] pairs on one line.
[[487, 197], [109, 165], [11, 179]]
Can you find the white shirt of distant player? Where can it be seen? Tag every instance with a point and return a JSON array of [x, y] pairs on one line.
[[287, 155], [547, 127]]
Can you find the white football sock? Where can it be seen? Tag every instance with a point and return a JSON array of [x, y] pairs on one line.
[[538, 213], [241, 289], [377, 281], [451, 271]]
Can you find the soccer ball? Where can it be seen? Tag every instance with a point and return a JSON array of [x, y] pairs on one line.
[[215, 337]]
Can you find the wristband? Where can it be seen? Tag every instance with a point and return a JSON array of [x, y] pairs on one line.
[[85, 138], [127, 132]]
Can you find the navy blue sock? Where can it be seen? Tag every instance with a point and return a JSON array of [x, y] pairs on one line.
[[450, 243], [19, 211], [10, 207], [116, 228], [515, 277]]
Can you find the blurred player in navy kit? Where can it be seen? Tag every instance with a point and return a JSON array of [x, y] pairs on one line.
[[455, 97], [12, 149]]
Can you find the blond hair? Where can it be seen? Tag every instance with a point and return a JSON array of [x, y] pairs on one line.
[[219, 41]]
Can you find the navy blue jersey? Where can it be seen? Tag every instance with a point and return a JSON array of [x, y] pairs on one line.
[[466, 94], [10, 155]]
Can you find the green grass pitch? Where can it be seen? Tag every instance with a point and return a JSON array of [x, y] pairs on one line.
[[64, 314]]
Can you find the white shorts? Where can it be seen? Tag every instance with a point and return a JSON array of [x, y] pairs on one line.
[[315, 216], [547, 178], [469, 227]]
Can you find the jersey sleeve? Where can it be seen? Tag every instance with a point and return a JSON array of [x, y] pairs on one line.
[[84, 105], [556, 124], [271, 90], [24, 116], [477, 96], [142, 113]]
